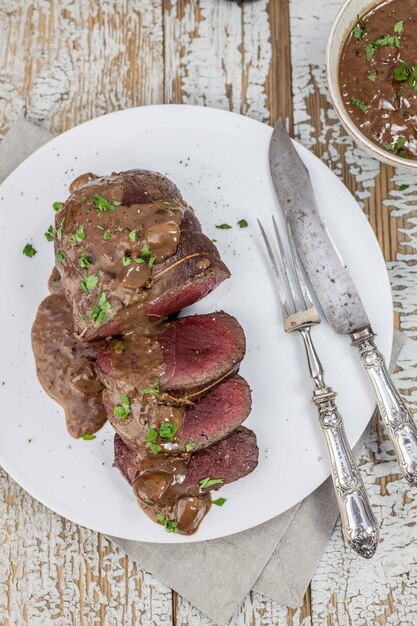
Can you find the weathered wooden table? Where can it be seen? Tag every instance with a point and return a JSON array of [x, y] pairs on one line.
[[66, 61]]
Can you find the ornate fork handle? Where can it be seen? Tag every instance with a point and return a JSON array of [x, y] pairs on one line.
[[358, 523], [398, 421]]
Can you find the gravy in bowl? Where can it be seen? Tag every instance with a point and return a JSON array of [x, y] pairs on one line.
[[378, 76]]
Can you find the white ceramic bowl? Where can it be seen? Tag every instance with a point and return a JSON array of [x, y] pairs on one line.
[[343, 23]]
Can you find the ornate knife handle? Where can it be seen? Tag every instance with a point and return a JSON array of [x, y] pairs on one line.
[[397, 419], [358, 523]]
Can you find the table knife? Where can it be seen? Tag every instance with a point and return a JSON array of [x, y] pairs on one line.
[[336, 291]]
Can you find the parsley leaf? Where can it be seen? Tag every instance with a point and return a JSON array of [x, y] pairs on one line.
[[89, 283], [102, 204], [398, 147], [88, 437], [103, 309], [146, 251], [151, 261], [189, 447], [399, 27], [106, 236], [359, 30], [223, 226], [151, 391], [57, 206], [169, 524], [219, 501], [403, 187], [358, 103], [204, 483], [132, 235], [372, 76], [127, 261], [151, 437], [29, 250], [59, 229], [392, 41], [119, 229], [118, 346], [242, 224], [405, 73], [49, 234], [78, 236], [122, 410], [60, 256], [167, 430], [84, 261]]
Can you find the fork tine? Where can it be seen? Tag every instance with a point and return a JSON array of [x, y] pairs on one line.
[[290, 282], [277, 273], [298, 268]]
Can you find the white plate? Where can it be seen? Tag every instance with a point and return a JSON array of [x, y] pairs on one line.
[[219, 160]]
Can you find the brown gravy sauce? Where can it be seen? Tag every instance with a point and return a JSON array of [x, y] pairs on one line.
[[66, 365], [378, 76]]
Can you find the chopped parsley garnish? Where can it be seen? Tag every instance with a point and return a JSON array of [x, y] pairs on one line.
[[372, 76], [398, 147], [127, 261], [49, 234], [151, 261], [405, 73], [119, 229], [106, 236], [102, 204], [166, 202], [151, 391], [167, 430], [59, 229], [358, 103], [84, 261], [139, 260], [103, 309], [359, 30], [190, 447], [403, 187], [204, 483], [29, 250], [242, 224], [151, 437], [78, 236], [223, 226], [100, 227], [122, 410], [118, 346], [89, 283], [146, 251], [57, 206], [219, 501], [169, 524], [132, 235], [392, 41], [88, 437], [399, 27], [60, 256]]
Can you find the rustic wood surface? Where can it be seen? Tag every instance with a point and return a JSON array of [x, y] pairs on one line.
[[66, 61]]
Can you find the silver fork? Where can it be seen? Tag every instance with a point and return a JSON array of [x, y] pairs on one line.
[[358, 523]]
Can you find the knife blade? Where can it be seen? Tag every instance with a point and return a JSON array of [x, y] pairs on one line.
[[336, 290]]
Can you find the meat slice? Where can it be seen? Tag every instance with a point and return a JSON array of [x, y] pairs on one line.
[[210, 419], [229, 459], [197, 351], [108, 220]]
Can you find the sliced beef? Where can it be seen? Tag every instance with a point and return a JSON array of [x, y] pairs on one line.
[[211, 418], [144, 247], [229, 459], [198, 351]]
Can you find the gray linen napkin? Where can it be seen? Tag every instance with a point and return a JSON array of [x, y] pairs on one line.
[[277, 558]]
